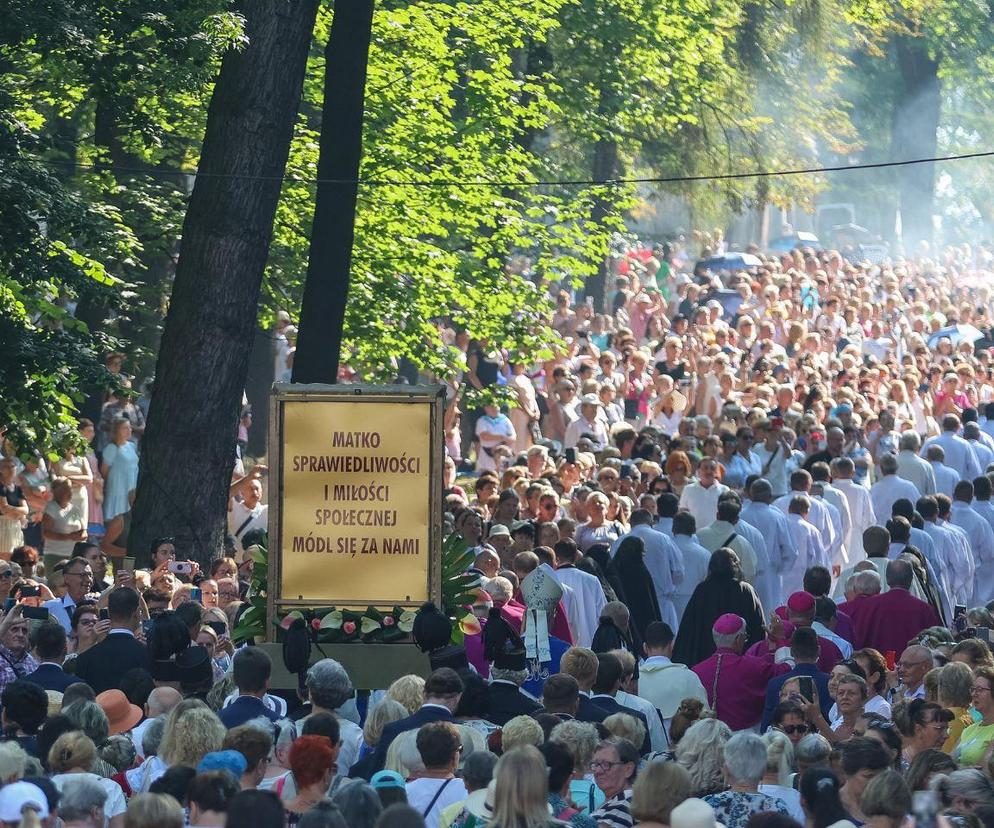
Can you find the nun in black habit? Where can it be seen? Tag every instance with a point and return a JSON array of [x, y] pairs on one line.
[[722, 591], [628, 565]]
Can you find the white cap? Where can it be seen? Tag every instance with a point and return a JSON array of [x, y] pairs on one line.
[[15, 796]]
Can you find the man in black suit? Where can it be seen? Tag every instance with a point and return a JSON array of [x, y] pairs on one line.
[[560, 697], [442, 692], [505, 650], [104, 664], [50, 642], [608, 682], [581, 664]]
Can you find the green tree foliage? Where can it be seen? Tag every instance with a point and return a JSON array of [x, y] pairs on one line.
[[83, 85]]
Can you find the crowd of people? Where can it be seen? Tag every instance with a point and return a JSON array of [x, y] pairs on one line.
[[735, 551]]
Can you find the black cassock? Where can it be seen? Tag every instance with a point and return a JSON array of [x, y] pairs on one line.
[[712, 598]]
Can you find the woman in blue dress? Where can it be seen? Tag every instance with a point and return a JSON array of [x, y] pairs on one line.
[[119, 467]]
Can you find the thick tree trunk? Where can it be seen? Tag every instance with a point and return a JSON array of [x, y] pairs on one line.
[[188, 450], [916, 121], [605, 167], [322, 315]]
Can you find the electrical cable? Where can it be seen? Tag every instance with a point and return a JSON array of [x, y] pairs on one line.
[[498, 183]]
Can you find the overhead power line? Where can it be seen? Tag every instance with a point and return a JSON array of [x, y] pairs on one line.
[[502, 183]]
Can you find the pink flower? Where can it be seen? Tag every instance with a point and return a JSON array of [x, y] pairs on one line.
[[316, 623], [348, 627], [388, 621]]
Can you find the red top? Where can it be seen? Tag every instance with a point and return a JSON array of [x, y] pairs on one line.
[[890, 620], [740, 685]]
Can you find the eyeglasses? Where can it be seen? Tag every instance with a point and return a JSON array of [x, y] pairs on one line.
[[8, 574], [979, 688], [788, 729], [603, 766]]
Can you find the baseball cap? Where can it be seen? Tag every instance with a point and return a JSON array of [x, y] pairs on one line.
[[15, 796], [386, 779]]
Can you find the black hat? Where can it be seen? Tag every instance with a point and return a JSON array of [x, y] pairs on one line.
[[502, 646], [194, 666], [452, 656], [431, 629]]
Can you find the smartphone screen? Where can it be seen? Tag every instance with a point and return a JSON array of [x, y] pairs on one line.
[[219, 627], [197, 595], [105, 614], [806, 686]]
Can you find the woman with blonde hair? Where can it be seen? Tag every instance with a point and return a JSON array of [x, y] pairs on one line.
[[72, 757], [657, 791], [154, 811], [191, 735], [409, 691], [625, 726], [521, 731], [521, 790]]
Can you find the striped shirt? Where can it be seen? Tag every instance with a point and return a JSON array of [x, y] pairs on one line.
[[616, 812]]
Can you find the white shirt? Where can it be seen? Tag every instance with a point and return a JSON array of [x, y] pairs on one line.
[[588, 602], [257, 517], [964, 560], [777, 474], [420, 793], [811, 551], [915, 470], [959, 454], [781, 551], [114, 804], [61, 609], [862, 514], [982, 545], [695, 559], [946, 478], [819, 517], [983, 452], [887, 491], [949, 551], [841, 523], [580, 426], [717, 535], [824, 632], [702, 502]]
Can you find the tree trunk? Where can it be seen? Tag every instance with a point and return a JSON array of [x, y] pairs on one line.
[[188, 450], [916, 121], [605, 167], [326, 292]]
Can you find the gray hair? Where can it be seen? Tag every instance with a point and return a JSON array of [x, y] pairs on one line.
[[935, 453], [286, 734], [328, 684], [118, 752], [13, 760], [80, 795], [701, 752], [498, 588], [852, 678], [745, 758], [813, 749], [968, 783], [359, 803], [478, 769], [517, 677], [867, 582], [152, 736], [888, 464], [910, 441], [90, 718], [580, 738], [955, 683]]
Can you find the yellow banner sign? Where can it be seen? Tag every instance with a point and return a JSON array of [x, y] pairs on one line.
[[356, 499]]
